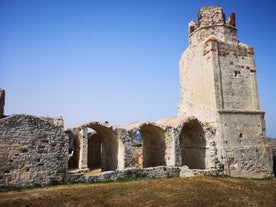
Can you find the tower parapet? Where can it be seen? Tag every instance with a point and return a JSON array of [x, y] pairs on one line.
[[211, 21]]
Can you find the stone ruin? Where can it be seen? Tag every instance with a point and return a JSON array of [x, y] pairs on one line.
[[2, 103], [219, 129]]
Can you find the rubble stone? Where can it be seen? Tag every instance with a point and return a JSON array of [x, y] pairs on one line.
[[33, 151]]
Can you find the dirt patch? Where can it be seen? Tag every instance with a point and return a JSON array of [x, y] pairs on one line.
[[93, 172]]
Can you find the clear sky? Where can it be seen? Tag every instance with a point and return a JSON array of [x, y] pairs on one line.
[[114, 60]]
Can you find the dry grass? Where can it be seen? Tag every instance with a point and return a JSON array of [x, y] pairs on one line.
[[93, 172], [196, 191]]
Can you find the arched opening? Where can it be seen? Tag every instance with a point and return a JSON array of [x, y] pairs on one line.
[[274, 165], [103, 146], [193, 145], [153, 146], [74, 152], [137, 150], [94, 151]]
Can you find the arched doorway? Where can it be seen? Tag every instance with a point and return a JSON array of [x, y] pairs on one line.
[[94, 151], [193, 145], [74, 152], [153, 146], [103, 148]]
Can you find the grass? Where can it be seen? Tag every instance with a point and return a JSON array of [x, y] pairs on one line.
[[195, 191]]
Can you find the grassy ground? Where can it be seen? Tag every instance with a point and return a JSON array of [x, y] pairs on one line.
[[195, 191]]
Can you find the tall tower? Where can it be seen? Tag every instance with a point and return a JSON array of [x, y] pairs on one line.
[[218, 86]]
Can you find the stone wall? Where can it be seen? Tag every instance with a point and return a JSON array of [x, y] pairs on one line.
[[237, 89], [2, 102], [245, 152], [272, 143], [153, 172], [161, 144], [198, 138], [211, 21], [154, 146], [197, 85], [115, 146], [142, 173], [137, 156], [33, 151]]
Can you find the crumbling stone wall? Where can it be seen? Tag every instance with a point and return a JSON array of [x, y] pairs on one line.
[[161, 145], [2, 102], [211, 21], [78, 146], [75, 150], [94, 153], [272, 143], [154, 145], [115, 152], [245, 151], [192, 142], [158, 147], [193, 145], [137, 156], [152, 172], [33, 151]]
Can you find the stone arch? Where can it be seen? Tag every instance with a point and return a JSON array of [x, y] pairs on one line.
[[154, 146], [74, 152], [111, 153], [193, 144], [94, 153]]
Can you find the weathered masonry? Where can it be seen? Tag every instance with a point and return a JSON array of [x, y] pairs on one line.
[[219, 87], [169, 142], [219, 129], [2, 102], [33, 151]]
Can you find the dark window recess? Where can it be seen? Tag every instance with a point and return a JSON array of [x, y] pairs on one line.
[[274, 165], [237, 72]]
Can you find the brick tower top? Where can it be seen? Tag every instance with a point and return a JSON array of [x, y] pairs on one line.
[[212, 22]]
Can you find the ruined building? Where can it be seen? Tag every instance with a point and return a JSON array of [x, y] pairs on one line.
[[219, 127], [219, 122], [219, 87]]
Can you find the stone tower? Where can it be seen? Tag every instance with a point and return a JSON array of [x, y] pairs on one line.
[[218, 86]]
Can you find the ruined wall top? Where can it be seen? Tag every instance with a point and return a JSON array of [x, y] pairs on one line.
[[57, 121], [211, 21], [2, 102]]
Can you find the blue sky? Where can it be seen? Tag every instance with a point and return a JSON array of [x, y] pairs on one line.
[[116, 60]]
